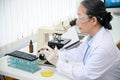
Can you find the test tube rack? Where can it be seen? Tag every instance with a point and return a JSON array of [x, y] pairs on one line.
[[23, 61]]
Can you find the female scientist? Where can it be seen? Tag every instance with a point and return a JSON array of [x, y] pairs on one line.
[[99, 55]]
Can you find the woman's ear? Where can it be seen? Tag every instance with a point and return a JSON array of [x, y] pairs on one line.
[[94, 21]]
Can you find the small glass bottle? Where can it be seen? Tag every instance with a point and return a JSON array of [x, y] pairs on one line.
[[31, 47]]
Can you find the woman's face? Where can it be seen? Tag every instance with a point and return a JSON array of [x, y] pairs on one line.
[[83, 22]]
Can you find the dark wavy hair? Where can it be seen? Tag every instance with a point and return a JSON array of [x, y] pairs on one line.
[[97, 8]]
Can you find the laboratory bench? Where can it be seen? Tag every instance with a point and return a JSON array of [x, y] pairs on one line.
[[24, 75]]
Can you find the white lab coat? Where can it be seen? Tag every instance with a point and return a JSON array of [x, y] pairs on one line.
[[102, 62]]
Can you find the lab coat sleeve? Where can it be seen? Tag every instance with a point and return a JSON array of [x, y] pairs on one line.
[[74, 54], [97, 64]]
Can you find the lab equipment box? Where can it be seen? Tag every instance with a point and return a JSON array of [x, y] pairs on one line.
[[23, 61]]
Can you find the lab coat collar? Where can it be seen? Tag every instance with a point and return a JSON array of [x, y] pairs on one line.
[[97, 38]]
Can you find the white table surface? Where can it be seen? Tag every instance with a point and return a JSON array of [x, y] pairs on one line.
[[23, 75]]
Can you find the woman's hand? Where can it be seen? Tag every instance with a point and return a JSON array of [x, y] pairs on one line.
[[50, 54]]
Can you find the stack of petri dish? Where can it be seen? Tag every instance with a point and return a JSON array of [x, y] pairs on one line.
[[23, 61]]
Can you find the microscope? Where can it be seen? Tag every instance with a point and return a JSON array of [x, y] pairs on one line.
[[57, 41]]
